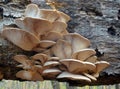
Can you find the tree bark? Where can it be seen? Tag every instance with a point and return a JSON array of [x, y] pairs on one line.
[[92, 27]]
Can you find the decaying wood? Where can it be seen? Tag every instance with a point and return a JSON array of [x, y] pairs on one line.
[[91, 26]]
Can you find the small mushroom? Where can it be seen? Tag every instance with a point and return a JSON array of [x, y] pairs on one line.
[[25, 62], [77, 41], [51, 73], [62, 49], [29, 75], [83, 54], [40, 57], [70, 76], [100, 65], [33, 25], [22, 39]]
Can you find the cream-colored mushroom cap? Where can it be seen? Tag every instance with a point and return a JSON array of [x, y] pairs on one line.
[[83, 54], [73, 65], [92, 59], [46, 43], [29, 75], [51, 73], [100, 65], [67, 75], [62, 49], [50, 64], [36, 26], [40, 57], [59, 27], [22, 39], [32, 10], [77, 41], [52, 35]]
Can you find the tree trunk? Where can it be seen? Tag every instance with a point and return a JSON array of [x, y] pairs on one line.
[[88, 20]]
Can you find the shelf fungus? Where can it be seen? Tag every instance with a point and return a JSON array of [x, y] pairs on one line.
[[60, 54]]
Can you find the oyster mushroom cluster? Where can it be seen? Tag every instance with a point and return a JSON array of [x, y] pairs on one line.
[[61, 55]]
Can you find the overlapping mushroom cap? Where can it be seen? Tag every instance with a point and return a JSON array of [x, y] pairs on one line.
[[61, 55]]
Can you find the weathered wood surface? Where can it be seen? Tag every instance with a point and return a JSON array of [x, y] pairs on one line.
[[90, 18]]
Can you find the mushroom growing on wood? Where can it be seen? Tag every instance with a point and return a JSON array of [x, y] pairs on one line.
[[83, 54], [22, 39], [77, 41], [70, 76], [29, 75], [48, 14]]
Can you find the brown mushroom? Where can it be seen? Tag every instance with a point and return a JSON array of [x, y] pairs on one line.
[[33, 25], [51, 73], [70, 76], [29, 75], [92, 59], [62, 49], [83, 54], [22, 39], [40, 57], [52, 35], [77, 41], [100, 65]]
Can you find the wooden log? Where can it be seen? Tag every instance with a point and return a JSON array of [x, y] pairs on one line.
[[90, 26]]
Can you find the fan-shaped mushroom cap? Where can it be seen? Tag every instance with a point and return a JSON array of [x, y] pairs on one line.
[[40, 57], [90, 76], [92, 59], [29, 75], [100, 65], [51, 73], [36, 26], [22, 39], [50, 64], [59, 27], [67, 75], [25, 62], [72, 64], [52, 35], [62, 49], [77, 41], [83, 54], [46, 43], [32, 10], [77, 66], [48, 14]]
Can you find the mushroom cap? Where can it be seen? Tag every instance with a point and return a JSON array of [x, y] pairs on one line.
[[25, 62], [51, 64], [90, 76], [52, 35], [40, 57], [59, 27], [36, 26], [67, 75], [46, 43], [62, 49], [22, 39], [32, 10], [92, 59], [77, 41], [51, 73], [29, 75], [63, 17], [100, 65], [83, 54], [72, 65], [77, 66]]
